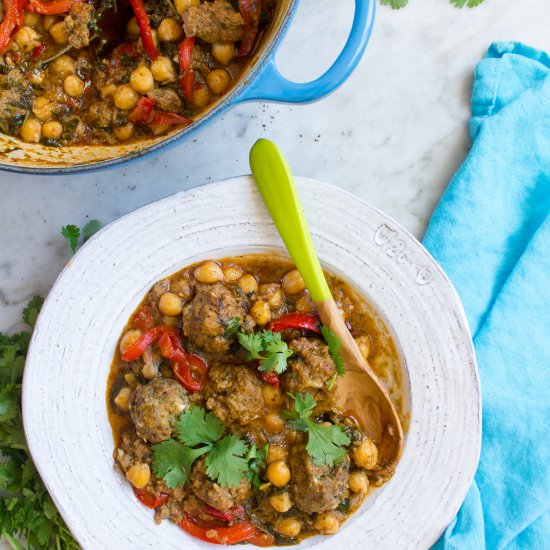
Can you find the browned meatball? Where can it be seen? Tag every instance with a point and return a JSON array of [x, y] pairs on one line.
[[131, 450], [234, 393], [317, 488], [206, 317], [221, 498], [155, 408], [214, 22]]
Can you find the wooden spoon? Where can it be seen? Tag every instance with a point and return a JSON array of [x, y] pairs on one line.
[[359, 391]]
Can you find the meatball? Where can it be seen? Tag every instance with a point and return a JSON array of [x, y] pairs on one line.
[[221, 498], [131, 450], [317, 488], [214, 22], [206, 317], [155, 408], [234, 393]]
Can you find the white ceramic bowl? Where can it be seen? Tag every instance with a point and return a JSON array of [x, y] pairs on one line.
[[68, 362]]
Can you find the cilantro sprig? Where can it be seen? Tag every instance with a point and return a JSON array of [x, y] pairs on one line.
[[28, 517], [398, 4], [200, 433], [334, 349], [325, 443], [268, 348], [72, 233]]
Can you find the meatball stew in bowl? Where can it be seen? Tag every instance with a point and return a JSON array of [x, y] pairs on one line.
[[220, 397]]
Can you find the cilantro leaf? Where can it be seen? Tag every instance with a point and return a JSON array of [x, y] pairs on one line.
[[9, 403], [226, 463], [324, 444], [334, 349], [233, 327], [31, 311], [197, 427], [256, 459], [173, 461], [252, 343], [71, 234], [90, 229], [395, 4], [276, 353]]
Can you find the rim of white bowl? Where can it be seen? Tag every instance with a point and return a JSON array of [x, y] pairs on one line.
[[402, 282]]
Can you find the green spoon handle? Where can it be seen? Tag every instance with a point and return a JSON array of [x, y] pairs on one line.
[[276, 184]]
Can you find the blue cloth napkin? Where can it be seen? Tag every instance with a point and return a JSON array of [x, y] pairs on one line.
[[491, 234]]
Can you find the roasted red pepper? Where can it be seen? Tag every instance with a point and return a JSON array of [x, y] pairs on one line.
[[261, 539], [145, 29], [250, 12], [219, 535], [13, 17], [237, 512], [55, 7], [297, 320], [149, 500], [142, 113], [190, 370], [143, 319], [37, 52], [162, 117], [187, 76], [270, 378]]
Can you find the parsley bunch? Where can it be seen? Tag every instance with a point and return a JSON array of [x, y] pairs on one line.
[[268, 348], [28, 517], [324, 443], [199, 433]]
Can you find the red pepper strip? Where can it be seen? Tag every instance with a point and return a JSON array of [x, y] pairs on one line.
[[220, 535], [187, 76], [126, 48], [270, 378], [302, 321], [161, 117], [13, 13], [262, 539], [136, 350], [55, 7], [142, 113], [145, 29], [143, 319], [250, 12], [149, 500], [37, 52], [237, 512]]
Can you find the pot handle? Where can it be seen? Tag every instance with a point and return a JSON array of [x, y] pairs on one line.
[[270, 85]]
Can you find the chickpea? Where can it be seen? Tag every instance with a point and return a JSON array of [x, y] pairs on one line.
[[125, 97], [139, 475], [327, 524], [182, 5], [73, 85], [31, 130], [272, 395], [218, 81], [123, 133], [273, 422], [363, 343], [288, 527], [209, 272], [130, 378], [52, 130], [163, 69], [169, 30], [142, 80], [159, 129], [281, 503], [37, 77], [261, 313], [42, 108], [132, 28], [123, 398], [149, 371], [275, 453], [201, 96], [27, 38], [58, 33], [278, 473], [129, 338], [108, 91], [248, 284], [48, 21], [63, 65], [358, 481], [232, 273], [293, 282], [170, 304], [303, 304], [31, 19], [272, 294], [366, 455], [223, 52]]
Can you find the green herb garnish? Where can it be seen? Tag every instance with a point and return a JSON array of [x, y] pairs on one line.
[[268, 348], [334, 349], [232, 327], [72, 233]]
